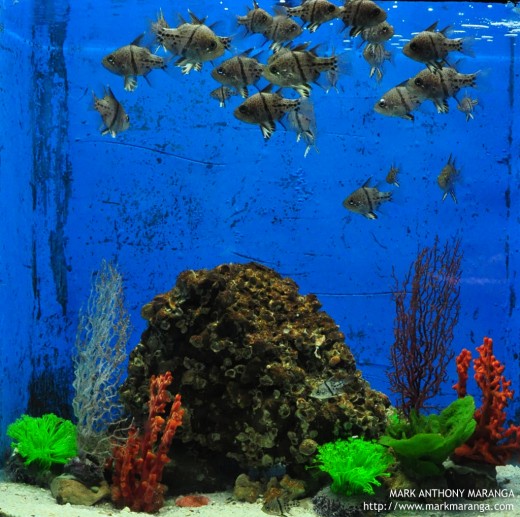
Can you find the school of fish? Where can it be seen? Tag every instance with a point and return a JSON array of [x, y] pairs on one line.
[[271, 83]]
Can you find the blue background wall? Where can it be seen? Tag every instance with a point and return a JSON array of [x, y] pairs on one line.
[[189, 186]]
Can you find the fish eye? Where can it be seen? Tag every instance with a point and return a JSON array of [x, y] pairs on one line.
[[292, 28], [413, 46], [331, 8], [273, 69], [262, 17], [220, 70], [376, 11], [419, 82], [111, 59], [352, 202], [382, 103], [212, 45], [127, 118], [384, 30], [243, 109]]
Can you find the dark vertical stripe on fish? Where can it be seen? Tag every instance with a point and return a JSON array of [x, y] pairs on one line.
[[313, 11], [276, 26], [116, 114], [299, 67], [403, 100], [242, 70], [266, 109], [434, 46], [355, 13], [132, 60], [369, 201], [444, 85], [190, 39]]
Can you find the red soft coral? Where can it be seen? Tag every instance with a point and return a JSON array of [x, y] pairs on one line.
[[139, 463], [491, 442]]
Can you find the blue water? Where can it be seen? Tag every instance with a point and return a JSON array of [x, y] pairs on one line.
[[188, 186]]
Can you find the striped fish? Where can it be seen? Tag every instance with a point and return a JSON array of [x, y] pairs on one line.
[[298, 67], [239, 72], [315, 12], [431, 47], [366, 200], [194, 41], [361, 14], [132, 61], [399, 101], [265, 108]]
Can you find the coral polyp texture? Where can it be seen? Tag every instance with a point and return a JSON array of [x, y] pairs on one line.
[[265, 374]]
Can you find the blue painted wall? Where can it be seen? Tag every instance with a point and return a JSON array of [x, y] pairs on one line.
[[189, 186]]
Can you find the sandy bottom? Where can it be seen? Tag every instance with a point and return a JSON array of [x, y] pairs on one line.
[[17, 500]]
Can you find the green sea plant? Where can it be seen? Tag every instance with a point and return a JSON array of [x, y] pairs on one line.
[[354, 465], [423, 442], [45, 440]]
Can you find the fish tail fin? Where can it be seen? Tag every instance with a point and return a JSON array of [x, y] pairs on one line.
[[466, 46]]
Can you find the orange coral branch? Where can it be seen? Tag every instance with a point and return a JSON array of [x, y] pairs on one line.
[[139, 463], [491, 442]]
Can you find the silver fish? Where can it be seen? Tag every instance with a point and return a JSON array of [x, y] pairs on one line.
[[265, 108], [256, 20], [391, 177], [297, 67], [193, 41], [239, 72], [431, 47], [375, 55], [222, 94], [467, 106], [303, 121], [399, 101], [440, 85], [282, 30], [446, 179], [365, 200], [132, 61], [114, 116], [329, 388], [361, 14], [378, 33], [315, 12]]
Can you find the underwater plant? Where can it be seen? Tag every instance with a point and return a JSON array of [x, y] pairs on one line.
[[491, 442], [427, 310], [139, 463], [354, 465], [423, 442], [45, 440], [101, 341]]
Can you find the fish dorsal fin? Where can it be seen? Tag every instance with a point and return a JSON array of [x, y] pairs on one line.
[[267, 89], [195, 19], [367, 182], [280, 10], [111, 93], [255, 5], [404, 83], [314, 49], [137, 40], [446, 30], [301, 46], [432, 27]]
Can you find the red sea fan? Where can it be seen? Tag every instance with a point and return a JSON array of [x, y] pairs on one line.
[[139, 463], [491, 442]]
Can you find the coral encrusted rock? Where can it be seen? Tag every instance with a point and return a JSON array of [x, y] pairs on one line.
[[250, 356]]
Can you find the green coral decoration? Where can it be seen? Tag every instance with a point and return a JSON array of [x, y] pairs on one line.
[[353, 465], [424, 441], [45, 440]]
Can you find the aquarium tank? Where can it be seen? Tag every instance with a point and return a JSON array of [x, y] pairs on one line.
[[367, 167]]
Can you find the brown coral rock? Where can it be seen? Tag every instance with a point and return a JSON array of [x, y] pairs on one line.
[[246, 351]]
